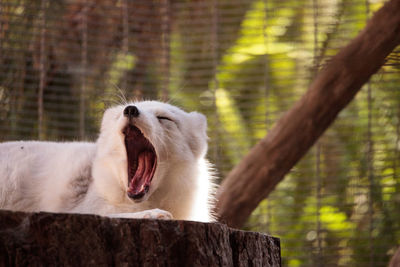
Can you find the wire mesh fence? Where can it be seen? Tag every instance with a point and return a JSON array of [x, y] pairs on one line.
[[243, 64]]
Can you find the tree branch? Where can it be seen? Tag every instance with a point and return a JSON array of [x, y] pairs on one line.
[[333, 88], [395, 260]]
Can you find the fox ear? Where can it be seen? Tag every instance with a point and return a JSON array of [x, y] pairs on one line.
[[198, 134], [199, 121], [110, 116]]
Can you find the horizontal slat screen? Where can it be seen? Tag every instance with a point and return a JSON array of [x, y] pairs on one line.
[[243, 64]]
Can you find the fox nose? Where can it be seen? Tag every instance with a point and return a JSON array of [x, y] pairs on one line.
[[131, 111]]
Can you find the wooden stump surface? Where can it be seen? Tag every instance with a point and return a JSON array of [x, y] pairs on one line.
[[50, 239]]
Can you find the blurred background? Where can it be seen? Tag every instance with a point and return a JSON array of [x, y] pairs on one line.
[[243, 63]]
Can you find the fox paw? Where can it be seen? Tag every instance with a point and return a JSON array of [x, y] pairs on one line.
[[157, 214], [146, 214]]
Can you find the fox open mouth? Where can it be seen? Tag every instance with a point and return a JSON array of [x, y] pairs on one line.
[[142, 162]]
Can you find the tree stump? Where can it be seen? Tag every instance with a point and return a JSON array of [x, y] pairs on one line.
[[41, 239]]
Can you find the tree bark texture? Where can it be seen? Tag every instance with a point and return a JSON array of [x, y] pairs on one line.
[[47, 239], [333, 88], [395, 260]]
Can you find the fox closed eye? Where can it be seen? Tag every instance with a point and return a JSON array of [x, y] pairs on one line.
[[164, 118]]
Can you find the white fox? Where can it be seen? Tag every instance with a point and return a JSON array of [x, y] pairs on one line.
[[148, 162]]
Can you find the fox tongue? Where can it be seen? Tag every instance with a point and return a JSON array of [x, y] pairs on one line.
[[140, 182]]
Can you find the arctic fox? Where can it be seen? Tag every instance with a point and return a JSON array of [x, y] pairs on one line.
[[148, 162]]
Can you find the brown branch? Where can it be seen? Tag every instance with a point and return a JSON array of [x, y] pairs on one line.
[[395, 260], [333, 88]]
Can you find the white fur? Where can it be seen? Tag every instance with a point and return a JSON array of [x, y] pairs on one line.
[[92, 178]]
